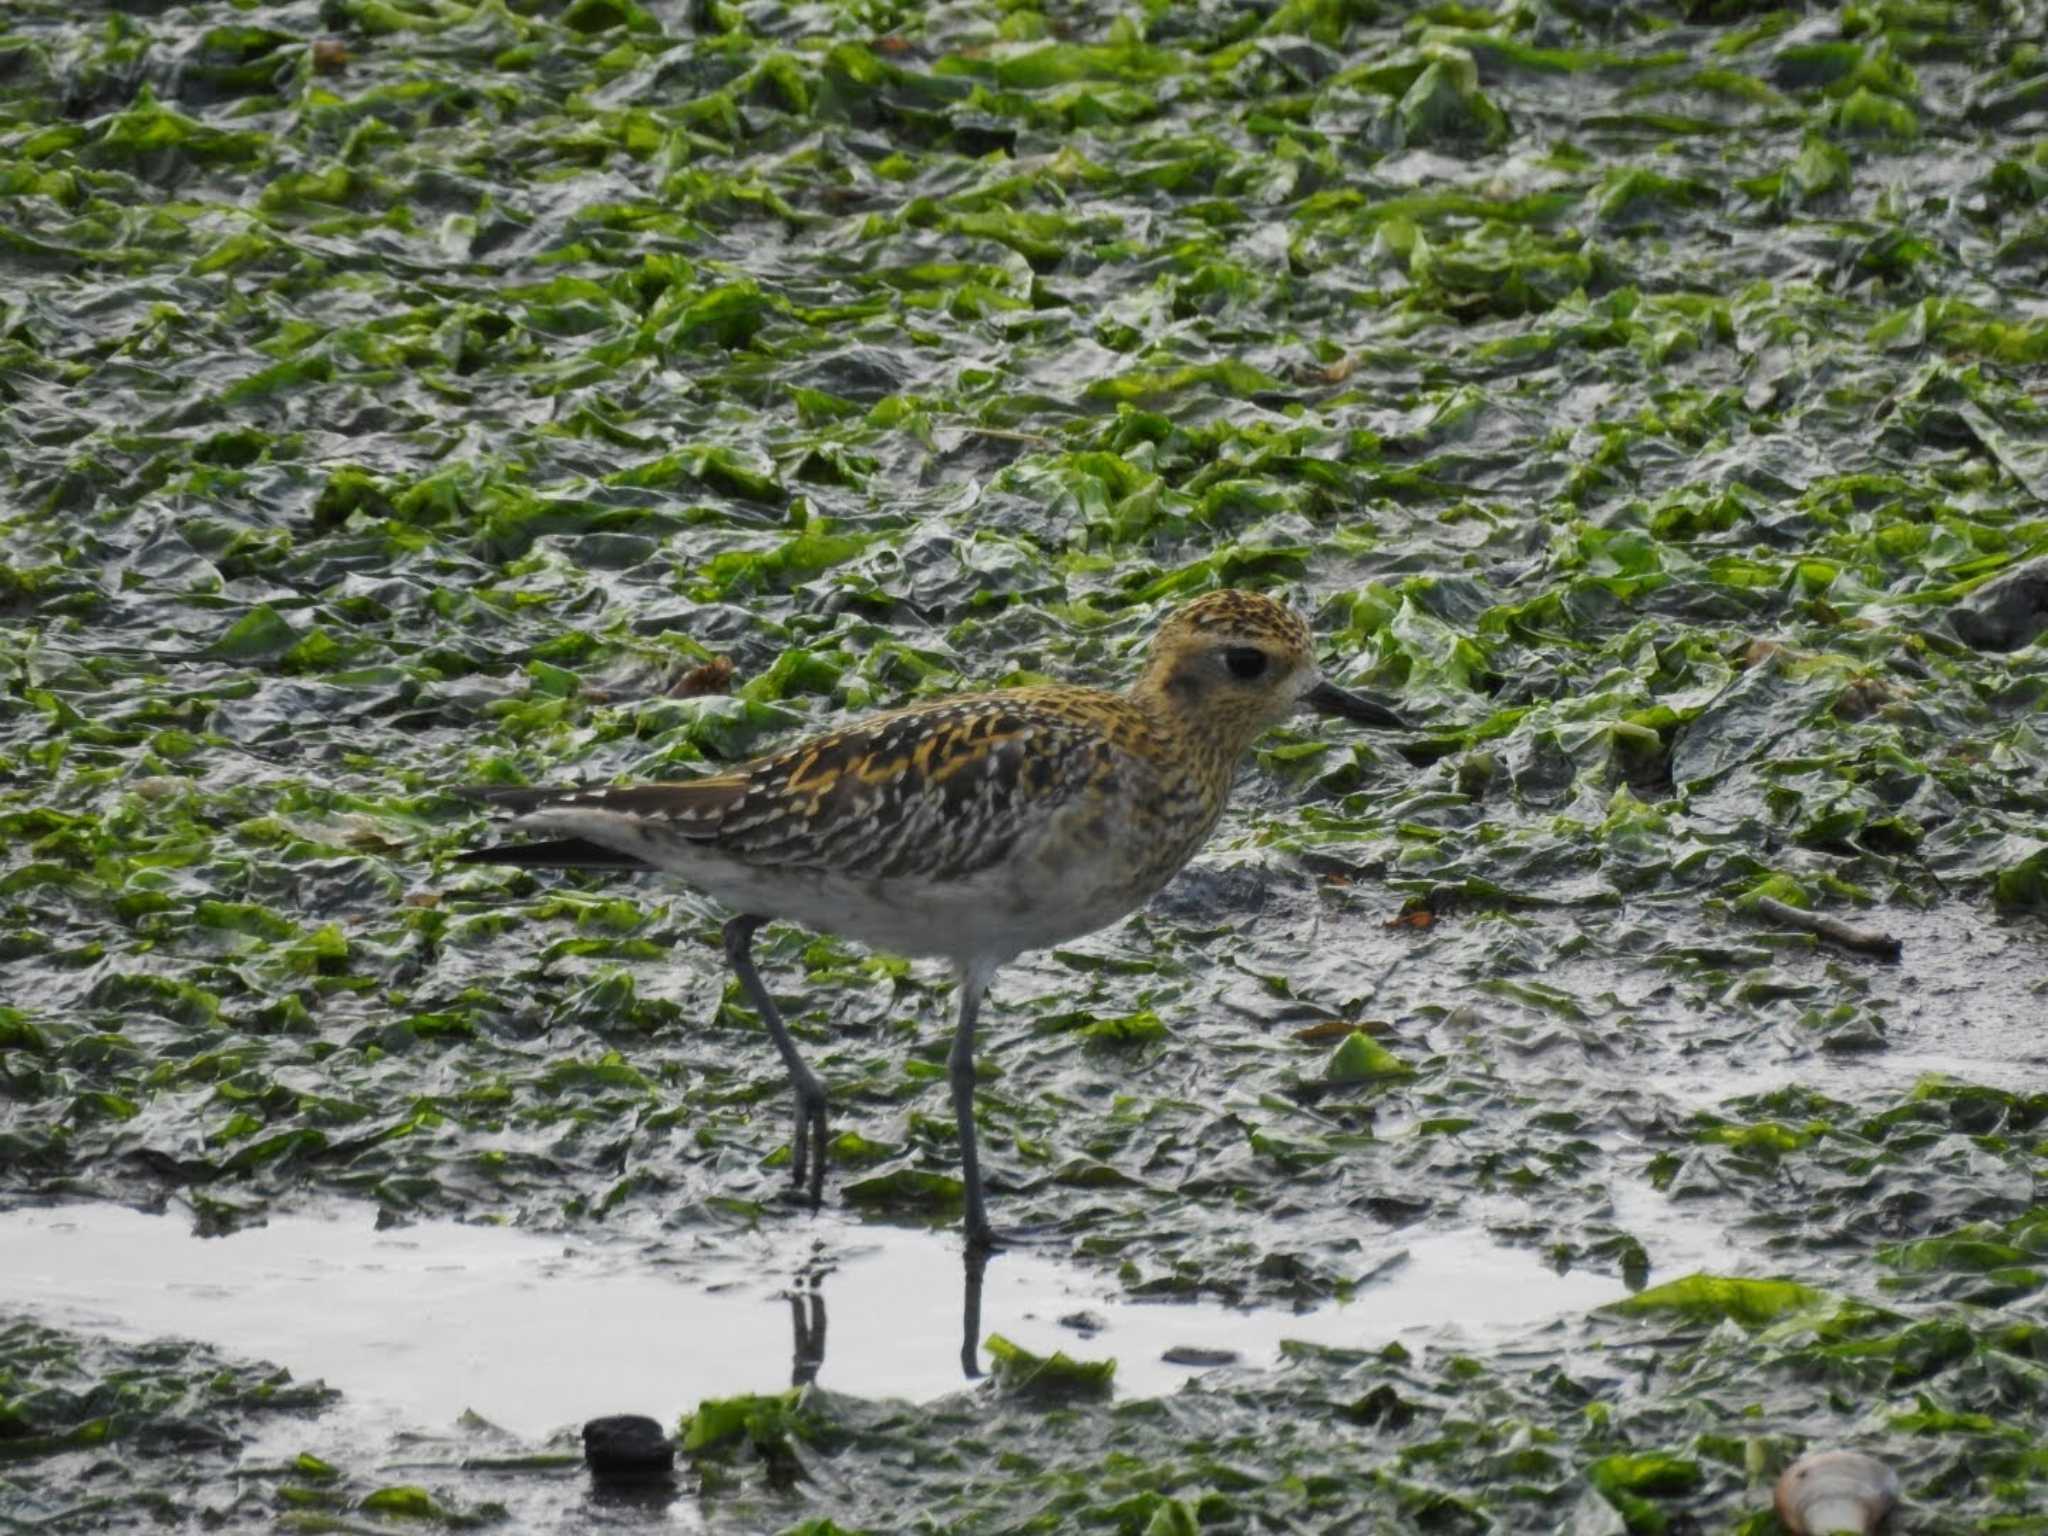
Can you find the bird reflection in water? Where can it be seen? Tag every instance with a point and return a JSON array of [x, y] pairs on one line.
[[806, 1299], [807, 1325]]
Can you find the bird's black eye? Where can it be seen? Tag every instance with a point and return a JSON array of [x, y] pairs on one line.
[[1245, 661]]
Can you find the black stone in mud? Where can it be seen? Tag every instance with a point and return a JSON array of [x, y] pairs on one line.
[[627, 1448]]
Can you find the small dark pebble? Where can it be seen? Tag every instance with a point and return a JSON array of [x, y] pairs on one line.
[[1193, 1354], [1089, 1323], [627, 1448]]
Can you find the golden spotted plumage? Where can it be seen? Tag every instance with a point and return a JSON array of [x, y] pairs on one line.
[[972, 828]]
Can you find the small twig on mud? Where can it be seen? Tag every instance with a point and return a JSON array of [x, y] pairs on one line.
[[1866, 940], [1005, 435]]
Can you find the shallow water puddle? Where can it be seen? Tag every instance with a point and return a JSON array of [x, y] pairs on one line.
[[534, 1332]]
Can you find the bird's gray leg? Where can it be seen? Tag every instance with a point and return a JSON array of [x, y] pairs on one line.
[[960, 1073], [970, 1319], [809, 1147]]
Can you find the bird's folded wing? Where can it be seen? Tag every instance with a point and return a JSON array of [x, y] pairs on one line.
[[936, 792]]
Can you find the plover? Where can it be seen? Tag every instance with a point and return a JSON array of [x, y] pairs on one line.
[[971, 828]]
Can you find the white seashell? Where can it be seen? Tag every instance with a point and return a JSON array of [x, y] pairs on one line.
[[1833, 1491]]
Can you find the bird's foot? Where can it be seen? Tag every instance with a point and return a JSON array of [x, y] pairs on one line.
[[807, 1162]]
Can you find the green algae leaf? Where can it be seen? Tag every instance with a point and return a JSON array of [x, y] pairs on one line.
[[1866, 115], [850, 1149], [907, 1188], [1054, 1378], [1636, 194], [244, 917], [1976, 1248], [2023, 886], [1172, 1517], [1654, 1473], [183, 1001], [1535, 994], [1226, 376], [808, 555], [1066, 64], [729, 316], [1508, 270], [99, 1104], [19, 1033], [1633, 1483], [1959, 326], [757, 1419], [1766, 1136], [714, 465], [610, 1071], [1039, 237], [593, 16], [149, 132], [617, 913], [405, 1500], [1299, 1153], [1140, 1028], [1775, 887], [1445, 105], [1360, 1058], [260, 633], [282, 1148], [1711, 1298], [1930, 1417]]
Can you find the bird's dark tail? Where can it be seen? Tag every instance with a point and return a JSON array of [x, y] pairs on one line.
[[556, 853]]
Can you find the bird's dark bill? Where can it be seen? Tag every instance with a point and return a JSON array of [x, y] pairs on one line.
[[1328, 699]]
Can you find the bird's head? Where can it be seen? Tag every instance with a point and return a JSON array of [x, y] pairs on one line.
[[1238, 662]]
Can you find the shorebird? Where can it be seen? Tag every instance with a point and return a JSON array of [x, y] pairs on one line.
[[971, 828]]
